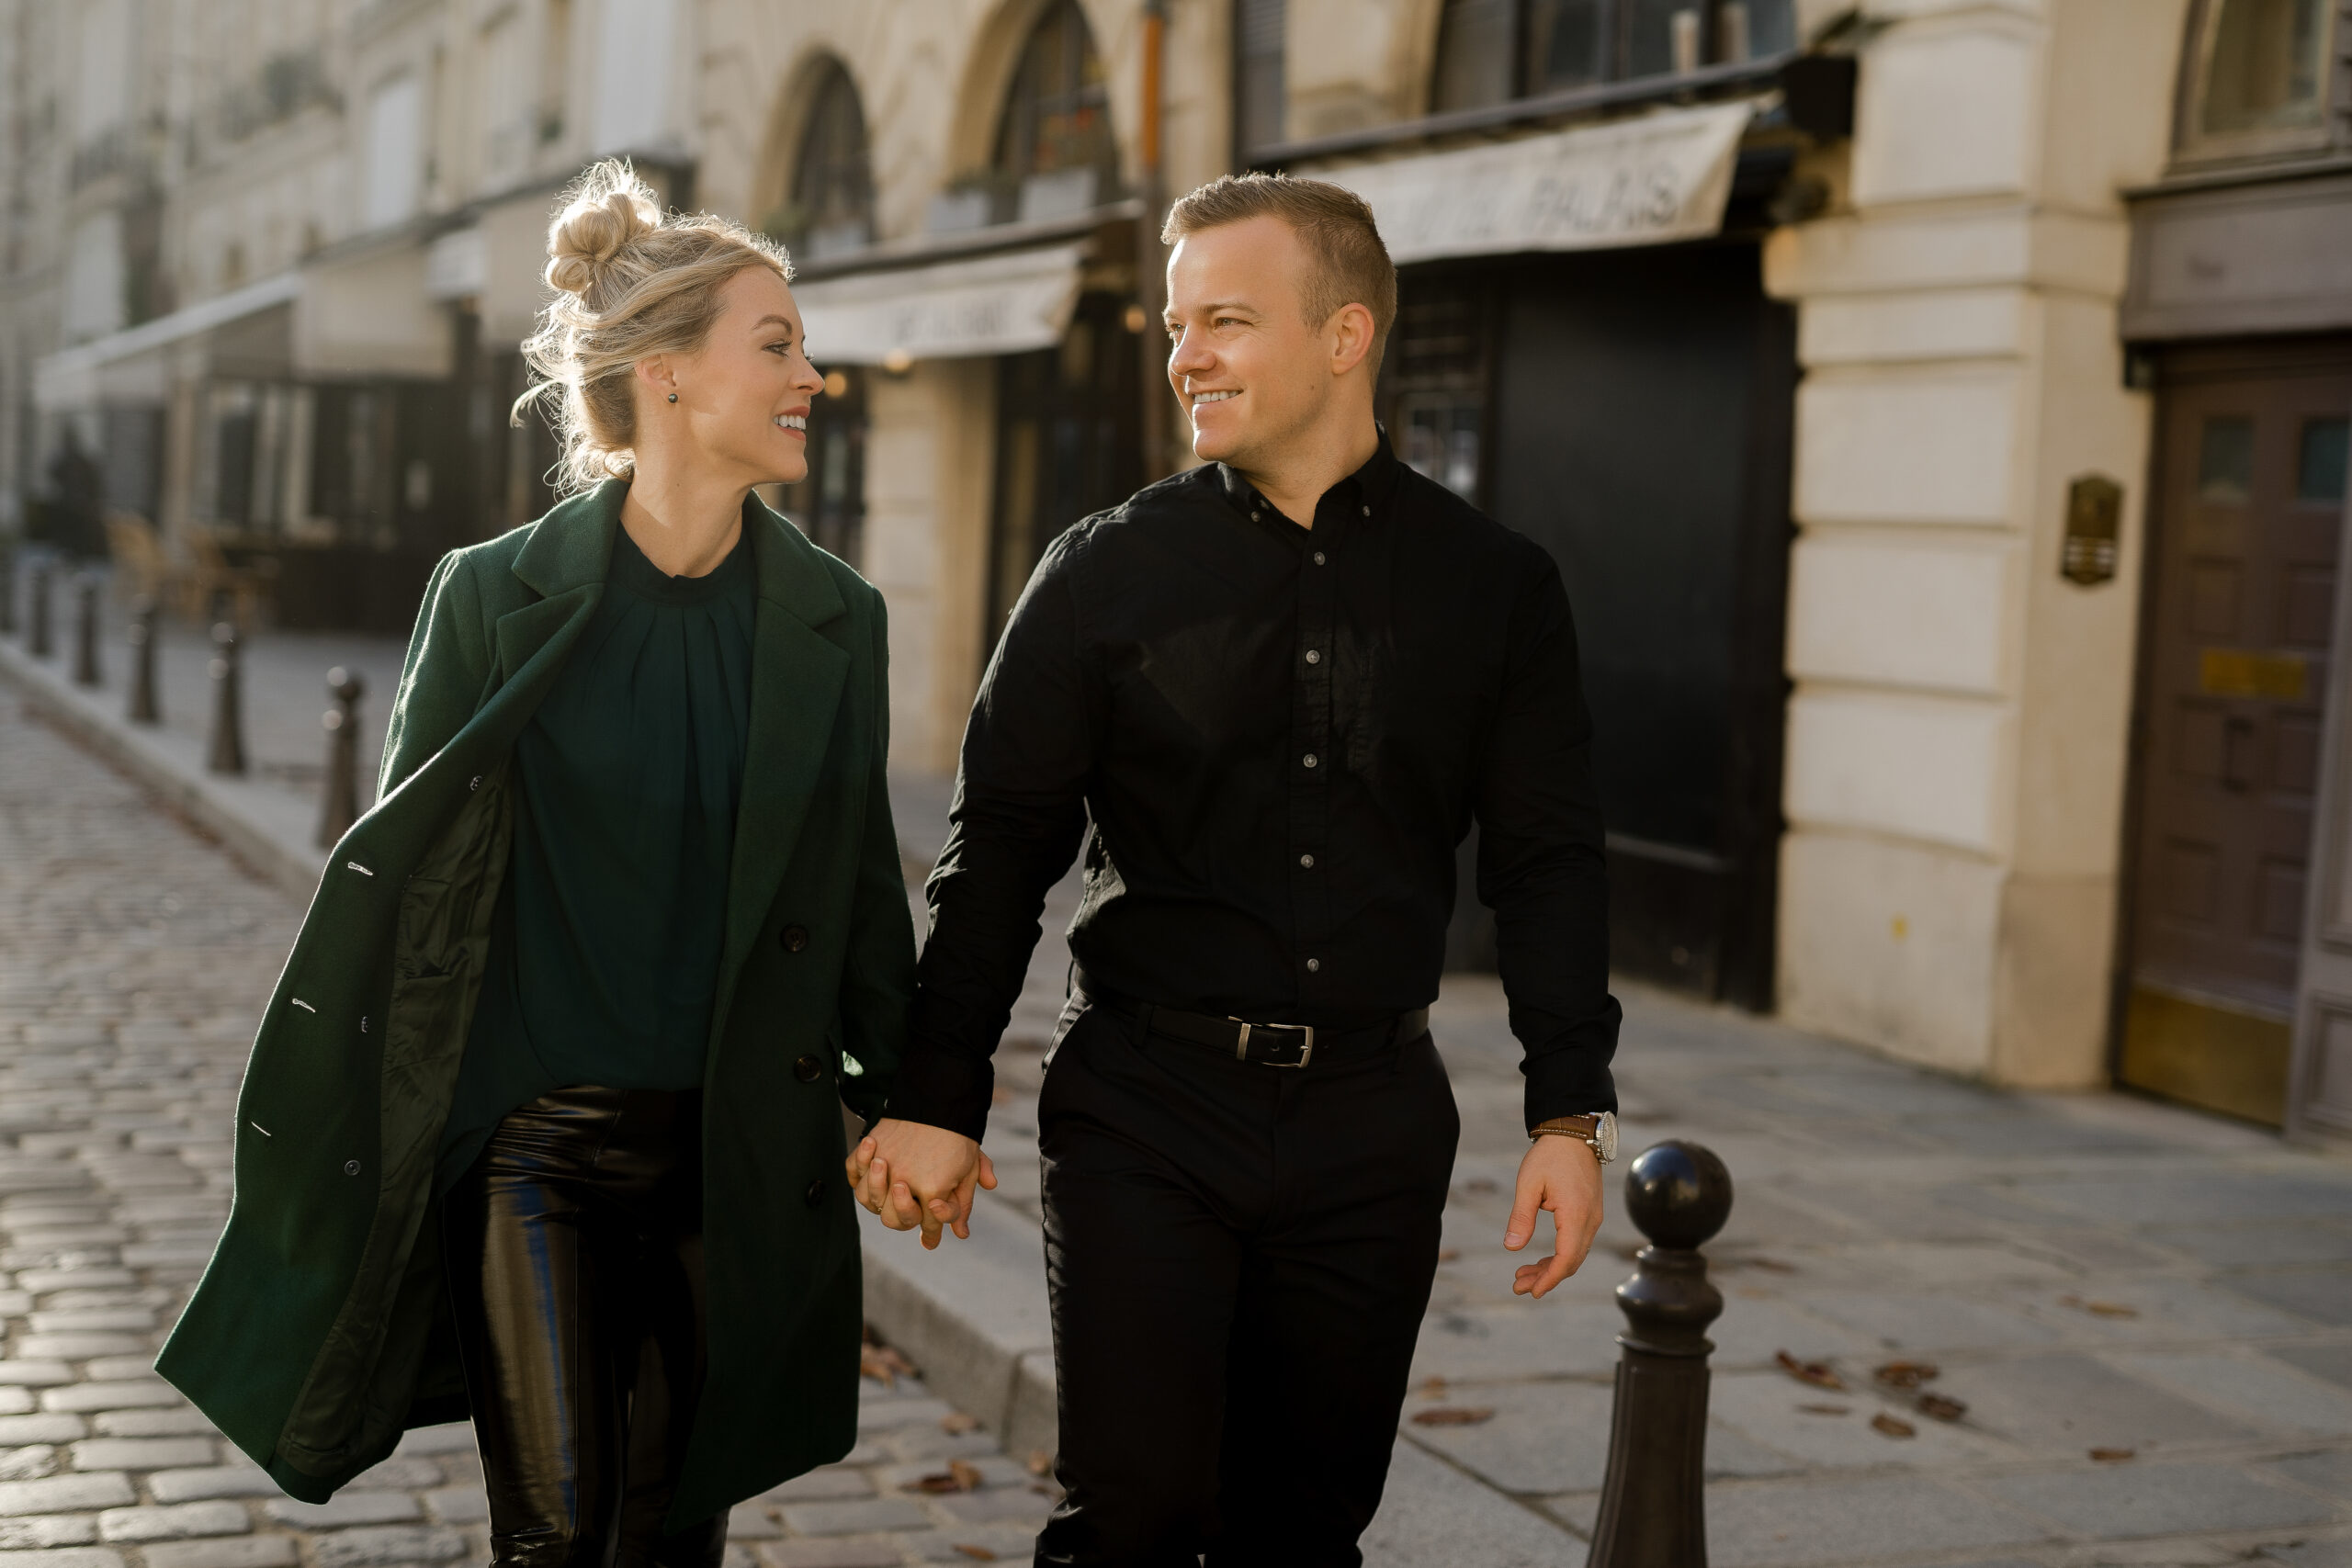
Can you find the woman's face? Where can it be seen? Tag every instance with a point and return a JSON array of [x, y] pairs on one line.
[[743, 396]]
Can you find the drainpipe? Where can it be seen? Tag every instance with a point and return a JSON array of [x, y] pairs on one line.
[[1151, 261]]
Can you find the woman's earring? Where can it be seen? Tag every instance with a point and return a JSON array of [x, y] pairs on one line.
[[674, 397]]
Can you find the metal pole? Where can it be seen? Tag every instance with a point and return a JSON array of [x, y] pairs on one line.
[[85, 632], [8, 587], [227, 754], [38, 641], [1151, 259], [1652, 1508], [143, 708], [339, 807]]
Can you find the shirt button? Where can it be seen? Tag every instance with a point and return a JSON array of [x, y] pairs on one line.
[[1318, 558], [1367, 512], [1314, 964], [1313, 657], [815, 1194], [1307, 860], [1309, 759], [794, 937], [809, 1069]]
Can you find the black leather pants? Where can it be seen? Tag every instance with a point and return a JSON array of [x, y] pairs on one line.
[[576, 1273]]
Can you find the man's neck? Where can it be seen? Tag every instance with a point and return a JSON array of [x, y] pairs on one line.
[[1296, 478]]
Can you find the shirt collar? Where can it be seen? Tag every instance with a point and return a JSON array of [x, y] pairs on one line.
[[1375, 482]]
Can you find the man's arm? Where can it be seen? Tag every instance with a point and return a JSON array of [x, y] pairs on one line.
[[1542, 869], [1019, 813]]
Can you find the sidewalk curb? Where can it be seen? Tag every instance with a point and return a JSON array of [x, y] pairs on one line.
[[972, 1314], [255, 821]]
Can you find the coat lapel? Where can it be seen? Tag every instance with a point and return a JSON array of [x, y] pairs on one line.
[[797, 680]]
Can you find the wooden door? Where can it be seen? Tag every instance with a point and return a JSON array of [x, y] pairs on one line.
[[2234, 678]]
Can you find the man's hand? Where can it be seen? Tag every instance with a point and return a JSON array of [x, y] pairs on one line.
[[1564, 1176], [912, 1174]]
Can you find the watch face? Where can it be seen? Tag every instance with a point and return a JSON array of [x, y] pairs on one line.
[[1605, 1136]]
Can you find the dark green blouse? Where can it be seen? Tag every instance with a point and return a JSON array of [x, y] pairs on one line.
[[604, 957]]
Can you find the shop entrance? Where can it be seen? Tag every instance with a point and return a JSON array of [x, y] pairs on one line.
[[2249, 506]]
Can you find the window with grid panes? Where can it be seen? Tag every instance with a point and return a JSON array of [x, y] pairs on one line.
[[1489, 51]]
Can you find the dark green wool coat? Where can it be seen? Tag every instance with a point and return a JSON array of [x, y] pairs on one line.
[[321, 1331]]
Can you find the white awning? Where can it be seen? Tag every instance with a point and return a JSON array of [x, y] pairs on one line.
[[128, 366], [959, 310], [1662, 177]]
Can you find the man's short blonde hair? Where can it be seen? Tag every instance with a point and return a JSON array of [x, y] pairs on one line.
[[1348, 262]]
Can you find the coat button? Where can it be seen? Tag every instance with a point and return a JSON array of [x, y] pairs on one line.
[[816, 1193], [351, 1168], [794, 937], [809, 1069]]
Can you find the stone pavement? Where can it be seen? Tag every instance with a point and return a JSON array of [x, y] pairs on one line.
[[133, 953]]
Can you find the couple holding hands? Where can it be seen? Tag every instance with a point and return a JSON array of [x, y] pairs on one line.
[[541, 1124]]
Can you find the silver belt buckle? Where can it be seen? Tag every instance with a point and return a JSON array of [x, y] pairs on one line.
[[1241, 1047]]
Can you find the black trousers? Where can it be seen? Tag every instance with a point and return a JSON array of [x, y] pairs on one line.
[[575, 1250], [1239, 1257]]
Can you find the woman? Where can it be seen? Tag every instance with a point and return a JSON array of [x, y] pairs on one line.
[[541, 1123]]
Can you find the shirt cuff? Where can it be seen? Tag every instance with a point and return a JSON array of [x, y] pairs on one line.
[[1564, 1086], [939, 1089]]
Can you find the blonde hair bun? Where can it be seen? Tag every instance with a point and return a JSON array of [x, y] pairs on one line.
[[608, 210]]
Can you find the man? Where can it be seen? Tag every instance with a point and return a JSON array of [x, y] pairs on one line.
[[1281, 684]]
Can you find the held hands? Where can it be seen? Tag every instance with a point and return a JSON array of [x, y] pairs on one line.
[[1564, 1176], [912, 1174]]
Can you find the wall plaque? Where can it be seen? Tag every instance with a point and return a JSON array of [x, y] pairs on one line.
[[2094, 519]]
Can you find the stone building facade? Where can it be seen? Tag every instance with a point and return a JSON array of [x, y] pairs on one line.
[[1933, 403]]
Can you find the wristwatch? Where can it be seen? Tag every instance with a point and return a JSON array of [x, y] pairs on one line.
[[1598, 1133]]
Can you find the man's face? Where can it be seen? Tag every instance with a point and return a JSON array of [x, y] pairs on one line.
[[1249, 366]]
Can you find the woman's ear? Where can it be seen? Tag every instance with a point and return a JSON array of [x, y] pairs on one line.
[[654, 371]]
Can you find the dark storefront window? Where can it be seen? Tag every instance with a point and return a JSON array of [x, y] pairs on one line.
[[1055, 151], [1257, 89], [830, 504], [1492, 50], [1067, 435], [831, 211]]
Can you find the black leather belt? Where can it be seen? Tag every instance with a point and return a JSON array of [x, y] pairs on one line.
[[1269, 1045]]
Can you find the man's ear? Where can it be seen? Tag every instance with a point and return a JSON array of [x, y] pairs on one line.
[[1350, 332]]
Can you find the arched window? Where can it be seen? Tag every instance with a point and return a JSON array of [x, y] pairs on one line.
[[1055, 152], [831, 211], [2262, 74], [1491, 51]]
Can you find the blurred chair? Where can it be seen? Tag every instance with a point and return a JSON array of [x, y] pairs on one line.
[[141, 570], [247, 587]]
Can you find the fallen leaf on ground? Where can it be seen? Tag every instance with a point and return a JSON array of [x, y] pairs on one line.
[[1817, 1373], [1906, 1374], [2114, 1456], [1892, 1426], [956, 1423], [1040, 1462], [1941, 1407], [1451, 1415], [1449, 1255], [1826, 1409], [2099, 1309], [960, 1475], [978, 1553], [883, 1364], [1478, 1184], [1433, 1389]]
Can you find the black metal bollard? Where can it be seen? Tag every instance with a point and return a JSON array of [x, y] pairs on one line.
[[228, 748], [85, 633], [7, 588], [1652, 1509], [340, 808], [38, 641], [142, 707]]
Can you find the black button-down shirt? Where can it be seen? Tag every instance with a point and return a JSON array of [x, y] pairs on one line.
[[1281, 736]]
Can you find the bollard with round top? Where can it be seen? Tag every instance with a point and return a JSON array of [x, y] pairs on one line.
[[1651, 1508], [340, 806], [38, 641], [226, 753], [85, 632], [142, 707]]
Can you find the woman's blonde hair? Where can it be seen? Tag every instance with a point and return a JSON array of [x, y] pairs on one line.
[[629, 283]]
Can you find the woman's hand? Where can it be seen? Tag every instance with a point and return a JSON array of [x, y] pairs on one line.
[[912, 1174]]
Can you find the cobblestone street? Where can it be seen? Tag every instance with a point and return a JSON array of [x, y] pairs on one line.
[[131, 954]]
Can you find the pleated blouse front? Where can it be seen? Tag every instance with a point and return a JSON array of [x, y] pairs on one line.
[[605, 952]]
